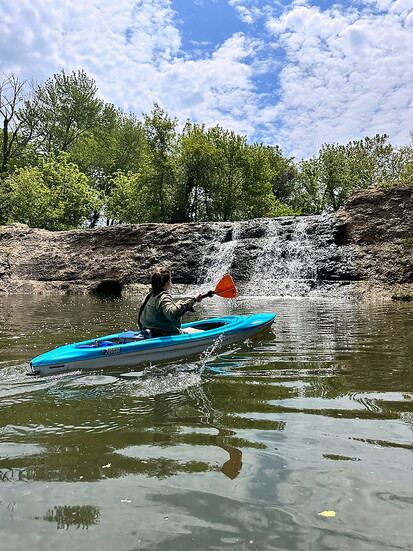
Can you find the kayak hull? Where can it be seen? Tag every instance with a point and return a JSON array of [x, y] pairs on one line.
[[111, 351]]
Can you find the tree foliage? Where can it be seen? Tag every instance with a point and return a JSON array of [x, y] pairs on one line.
[[62, 110], [325, 182], [54, 195], [68, 158]]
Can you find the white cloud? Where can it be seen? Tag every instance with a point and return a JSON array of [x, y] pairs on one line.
[[247, 10], [133, 51], [347, 75]]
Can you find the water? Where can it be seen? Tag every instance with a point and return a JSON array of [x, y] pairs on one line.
[[237, 451]]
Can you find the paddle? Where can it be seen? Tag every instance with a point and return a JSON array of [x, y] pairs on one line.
[[225, 288]]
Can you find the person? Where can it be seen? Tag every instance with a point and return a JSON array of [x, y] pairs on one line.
[[159, 312]]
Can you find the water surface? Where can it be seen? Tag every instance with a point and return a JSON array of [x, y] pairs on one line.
[[240, 450]]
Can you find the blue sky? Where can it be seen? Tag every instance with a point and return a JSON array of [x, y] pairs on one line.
[[294, 73]]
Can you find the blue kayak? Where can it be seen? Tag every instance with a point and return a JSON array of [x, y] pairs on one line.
[[132, 348]]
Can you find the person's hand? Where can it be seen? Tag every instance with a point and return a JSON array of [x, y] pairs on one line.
[[198, 297]]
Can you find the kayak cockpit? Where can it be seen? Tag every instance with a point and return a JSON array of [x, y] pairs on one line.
[[134, 336], [206, 325]]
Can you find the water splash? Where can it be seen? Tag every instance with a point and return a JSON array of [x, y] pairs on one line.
[[177, 380]]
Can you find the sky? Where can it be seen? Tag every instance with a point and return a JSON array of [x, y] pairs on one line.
[[291, 73]]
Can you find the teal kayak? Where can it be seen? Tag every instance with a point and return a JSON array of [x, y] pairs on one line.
[[132, 348]]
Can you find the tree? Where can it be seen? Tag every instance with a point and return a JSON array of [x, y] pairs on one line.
[[12, 95], [283, 173], [197, 161], [116, 143], [334, 174], [226, 186], [308, 197], [406, 176], [330, 178], [54, 196], [62, 110], [160, 132], [256, 198]]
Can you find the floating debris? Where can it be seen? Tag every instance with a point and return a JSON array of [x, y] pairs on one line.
[[327, 514]]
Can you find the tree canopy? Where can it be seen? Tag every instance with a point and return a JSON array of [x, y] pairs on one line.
[[68, 158]]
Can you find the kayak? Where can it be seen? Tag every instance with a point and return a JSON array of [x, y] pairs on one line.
[[134, 347]]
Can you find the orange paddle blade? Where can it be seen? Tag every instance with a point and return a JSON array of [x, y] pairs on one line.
[[226, 287]]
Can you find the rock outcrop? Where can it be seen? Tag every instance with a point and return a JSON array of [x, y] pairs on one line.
[[377, 224], [87, 261], [369, 241]]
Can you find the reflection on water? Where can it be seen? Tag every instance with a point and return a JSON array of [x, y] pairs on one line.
[[79, 516], [243, 445]]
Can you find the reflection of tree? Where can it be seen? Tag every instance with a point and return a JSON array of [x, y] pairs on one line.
[[81, 516]]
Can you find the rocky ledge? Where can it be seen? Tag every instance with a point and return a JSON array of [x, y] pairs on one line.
[[368, 243], [377, 224]]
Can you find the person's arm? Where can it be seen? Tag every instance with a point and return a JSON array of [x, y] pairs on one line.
[[174, 310]]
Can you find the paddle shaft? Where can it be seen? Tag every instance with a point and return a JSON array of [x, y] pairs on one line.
[[208, 294], [212, 293]]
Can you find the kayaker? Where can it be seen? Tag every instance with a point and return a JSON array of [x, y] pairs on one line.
[[159, 312]]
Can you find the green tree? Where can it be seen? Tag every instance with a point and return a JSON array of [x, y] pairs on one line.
[[197, 161], [116, 143], [334, 174], [225, 178], [308, 197], [406, 176], [327, 181], [256, 196], [283, 174], [160, 132], [54, 195], [62, 110], [227, 184], [130, 200], [371, 161]]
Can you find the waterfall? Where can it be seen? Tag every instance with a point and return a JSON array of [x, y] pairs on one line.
[[285, 257], [285, 265], [219, 257]]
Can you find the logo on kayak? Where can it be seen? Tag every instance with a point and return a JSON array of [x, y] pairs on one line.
[[112, 350]]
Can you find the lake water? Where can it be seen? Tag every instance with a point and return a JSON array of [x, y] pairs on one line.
[[238, 451]]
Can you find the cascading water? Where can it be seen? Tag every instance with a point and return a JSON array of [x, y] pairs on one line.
[[219, 258], [286, 264], [289, 256]]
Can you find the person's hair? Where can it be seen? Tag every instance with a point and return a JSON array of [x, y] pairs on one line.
[[160, 276]]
